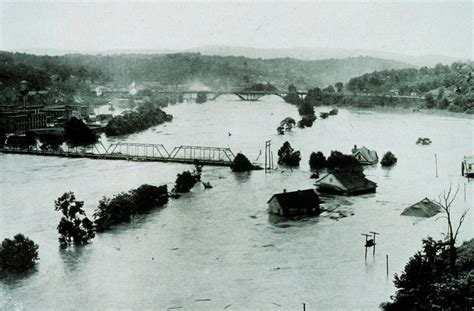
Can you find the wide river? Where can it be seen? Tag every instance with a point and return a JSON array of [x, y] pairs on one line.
[[219, 248]]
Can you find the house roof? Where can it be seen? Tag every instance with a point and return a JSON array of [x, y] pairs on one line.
[[352, 181], [424, 208], [304, 199], [369, 155]]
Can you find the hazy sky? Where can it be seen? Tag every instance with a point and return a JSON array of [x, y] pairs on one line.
[[405, 27]]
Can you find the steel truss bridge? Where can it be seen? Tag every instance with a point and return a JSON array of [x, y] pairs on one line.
[[136, 152]]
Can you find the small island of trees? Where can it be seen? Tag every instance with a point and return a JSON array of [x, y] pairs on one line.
[[146, 116]]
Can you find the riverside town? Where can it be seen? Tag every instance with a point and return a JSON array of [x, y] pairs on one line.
[[236, 155]]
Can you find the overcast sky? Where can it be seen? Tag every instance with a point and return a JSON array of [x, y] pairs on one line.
[[411, 28]]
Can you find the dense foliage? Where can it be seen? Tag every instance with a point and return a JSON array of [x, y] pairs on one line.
[[443, 86], [388, 159], [260, 87], [18, 255], [287, 155], [343, 162], [74, 226], [147, 115], [171, 69], [317, 161], [428, 283], [76, 132], [123, 206], [241, 164]]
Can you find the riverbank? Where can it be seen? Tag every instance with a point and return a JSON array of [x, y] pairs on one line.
[[413, 110]]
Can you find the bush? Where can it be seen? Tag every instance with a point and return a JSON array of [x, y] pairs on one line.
[[123, 206], [317, 161], [287, 156], [241, 164], [453, 108], [388, 159], [18, 255]]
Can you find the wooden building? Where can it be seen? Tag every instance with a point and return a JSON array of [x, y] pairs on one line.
[[365, 156], [424, 208], [345, 183], [301, 202]]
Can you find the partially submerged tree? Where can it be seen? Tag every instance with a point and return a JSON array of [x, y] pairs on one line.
[[317, 161], [241, 164], [286, 125], [74, 226], [287, 156], [123, 206], [343, 162], [388, 159], [184, 182], [18, 255]]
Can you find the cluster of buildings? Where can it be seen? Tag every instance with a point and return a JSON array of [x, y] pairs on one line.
[[26, 115]]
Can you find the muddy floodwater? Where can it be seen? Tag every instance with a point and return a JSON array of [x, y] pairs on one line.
[[219, 248]]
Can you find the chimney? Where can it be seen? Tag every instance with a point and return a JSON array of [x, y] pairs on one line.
[[284, 190], [355, 146]]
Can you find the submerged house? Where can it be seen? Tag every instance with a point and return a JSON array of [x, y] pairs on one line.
[[424, 208], [301, 202], [365, 156], [467, 166], [346, 183]]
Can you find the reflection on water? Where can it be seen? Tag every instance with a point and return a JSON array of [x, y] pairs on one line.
[[219, 247]]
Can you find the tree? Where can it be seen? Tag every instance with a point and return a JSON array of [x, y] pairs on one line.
[[427, 282], [78, 133], [287, 156], [201, 97], [123, 206], [3, 136], [430, 101], [317, 161], [184, 182], [18, 255], [74, 226], [305, 109], [241, 164], [339, 87], [287, 124], [446, 201], [343, 162], [388, 159]]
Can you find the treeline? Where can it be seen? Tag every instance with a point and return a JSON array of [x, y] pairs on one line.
[[170, 69], [146, 116]]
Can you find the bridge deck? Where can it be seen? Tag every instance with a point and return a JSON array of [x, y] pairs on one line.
[[115, 156]]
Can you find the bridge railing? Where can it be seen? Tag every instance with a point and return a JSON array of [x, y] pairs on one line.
[[216, 154]]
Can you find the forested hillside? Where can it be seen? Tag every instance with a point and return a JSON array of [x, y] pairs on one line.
[[169, 69]]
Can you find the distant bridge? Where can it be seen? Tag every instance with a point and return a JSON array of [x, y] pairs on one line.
[[213, 95], [137, 152]]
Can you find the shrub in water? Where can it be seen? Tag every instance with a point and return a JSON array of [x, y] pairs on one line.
[[18, 255]]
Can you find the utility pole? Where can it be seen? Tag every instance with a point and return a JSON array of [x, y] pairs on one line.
[[268, 156]]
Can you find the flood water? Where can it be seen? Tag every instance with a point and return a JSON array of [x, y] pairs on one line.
[[219, 248]]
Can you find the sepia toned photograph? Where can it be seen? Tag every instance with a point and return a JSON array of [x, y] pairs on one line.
[[236, 155]]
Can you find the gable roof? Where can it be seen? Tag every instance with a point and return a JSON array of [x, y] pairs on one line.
[[352, 181], [303, 199], [369, 155], [423, 208]]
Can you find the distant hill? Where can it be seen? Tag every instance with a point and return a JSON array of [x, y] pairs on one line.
[[305, 53], [187, 68]]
